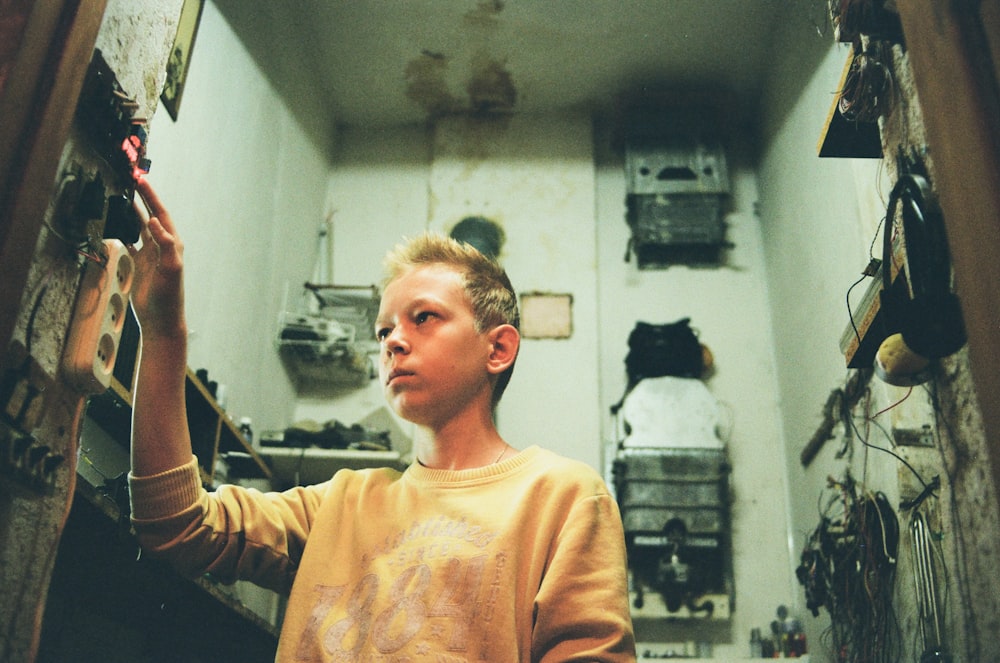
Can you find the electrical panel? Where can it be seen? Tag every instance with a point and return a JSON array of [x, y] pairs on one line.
[[677, 182], [24, 390], [76, 305], [105, 119]]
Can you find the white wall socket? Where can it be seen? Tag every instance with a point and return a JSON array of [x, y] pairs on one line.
[[101, 305]]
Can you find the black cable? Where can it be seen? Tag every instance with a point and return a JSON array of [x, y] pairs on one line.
[[30, 327], [888, 451], [849, 569], [850, 313], [870, 270]]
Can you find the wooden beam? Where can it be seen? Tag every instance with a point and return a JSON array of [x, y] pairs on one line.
[[38, 100], [37, 103], [952, 46]]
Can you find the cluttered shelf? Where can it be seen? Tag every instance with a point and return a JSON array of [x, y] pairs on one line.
[[326, 338], [213, 433]]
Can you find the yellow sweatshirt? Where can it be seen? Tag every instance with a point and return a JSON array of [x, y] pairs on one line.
[[523, 560]]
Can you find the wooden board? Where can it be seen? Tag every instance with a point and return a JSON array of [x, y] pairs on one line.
[[38, 282]]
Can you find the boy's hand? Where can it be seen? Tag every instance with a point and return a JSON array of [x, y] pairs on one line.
[[158, 294]]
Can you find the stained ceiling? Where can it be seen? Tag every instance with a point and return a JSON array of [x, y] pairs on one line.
[[396, 62]]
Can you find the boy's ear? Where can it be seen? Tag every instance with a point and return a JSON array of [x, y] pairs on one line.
[[504, 343]]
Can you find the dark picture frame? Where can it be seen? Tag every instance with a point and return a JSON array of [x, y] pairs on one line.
[[180, 56]]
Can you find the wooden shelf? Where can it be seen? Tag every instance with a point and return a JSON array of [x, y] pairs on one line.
[[843, 138], [212, 431], [654, 607], [305, 466]]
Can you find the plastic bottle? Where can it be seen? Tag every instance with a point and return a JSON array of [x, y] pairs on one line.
[[247, 429]]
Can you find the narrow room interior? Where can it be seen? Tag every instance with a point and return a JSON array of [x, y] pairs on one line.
[[795, 202]]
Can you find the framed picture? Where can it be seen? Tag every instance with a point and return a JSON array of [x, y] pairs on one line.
[[180, 56]]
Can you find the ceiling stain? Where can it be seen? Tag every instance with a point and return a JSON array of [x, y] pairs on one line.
[[491, 87], [426, 85], [485, 13]]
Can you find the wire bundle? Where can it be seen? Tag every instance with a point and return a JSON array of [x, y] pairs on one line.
[[848, 567], [868, 85]]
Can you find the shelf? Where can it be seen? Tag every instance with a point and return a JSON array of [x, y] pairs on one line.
[[212, 431], [655, 608], [305, 466], [329, 347], [843, 138]]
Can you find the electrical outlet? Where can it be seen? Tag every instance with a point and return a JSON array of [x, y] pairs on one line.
[[101, 306]]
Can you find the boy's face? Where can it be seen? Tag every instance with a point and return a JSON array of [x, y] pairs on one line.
[[433, 362]]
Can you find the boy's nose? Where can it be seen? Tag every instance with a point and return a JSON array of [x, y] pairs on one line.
[[394, 342]]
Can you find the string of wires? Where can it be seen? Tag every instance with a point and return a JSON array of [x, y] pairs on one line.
[[955, 466], [863, 436], [868, 86], [854, 18], [848, 568]]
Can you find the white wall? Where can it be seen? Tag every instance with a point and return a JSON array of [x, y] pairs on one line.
[[247, 191], [535, 177], [377, 193]]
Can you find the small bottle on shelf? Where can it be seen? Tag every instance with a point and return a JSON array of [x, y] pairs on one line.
[[247, 429]]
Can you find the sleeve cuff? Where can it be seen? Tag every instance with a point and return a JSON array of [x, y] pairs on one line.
[[165, 494]]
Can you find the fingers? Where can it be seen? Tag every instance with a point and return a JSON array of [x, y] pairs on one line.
[[154, 205], [165, 248]]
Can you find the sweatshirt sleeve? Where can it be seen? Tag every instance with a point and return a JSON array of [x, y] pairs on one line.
[[582, 604], [234, 533]]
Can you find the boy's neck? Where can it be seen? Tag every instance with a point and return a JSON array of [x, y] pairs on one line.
[[460, 447]]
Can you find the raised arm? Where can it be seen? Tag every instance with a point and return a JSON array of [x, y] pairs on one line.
[[160, 437]]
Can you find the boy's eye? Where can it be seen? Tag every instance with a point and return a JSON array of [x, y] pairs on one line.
[[381, 333], [422, 317]]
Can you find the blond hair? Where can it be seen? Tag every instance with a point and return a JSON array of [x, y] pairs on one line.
[[486, 284]]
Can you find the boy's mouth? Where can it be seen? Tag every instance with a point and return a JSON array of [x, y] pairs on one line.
[[395, 374]]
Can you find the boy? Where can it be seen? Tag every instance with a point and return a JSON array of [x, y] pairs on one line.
[[477, 552]]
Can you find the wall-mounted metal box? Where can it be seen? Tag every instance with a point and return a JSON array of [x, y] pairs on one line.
[[677, 181], [675, 164], [674, 504]]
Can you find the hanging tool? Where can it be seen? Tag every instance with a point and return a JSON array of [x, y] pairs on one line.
[[925, 581]]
